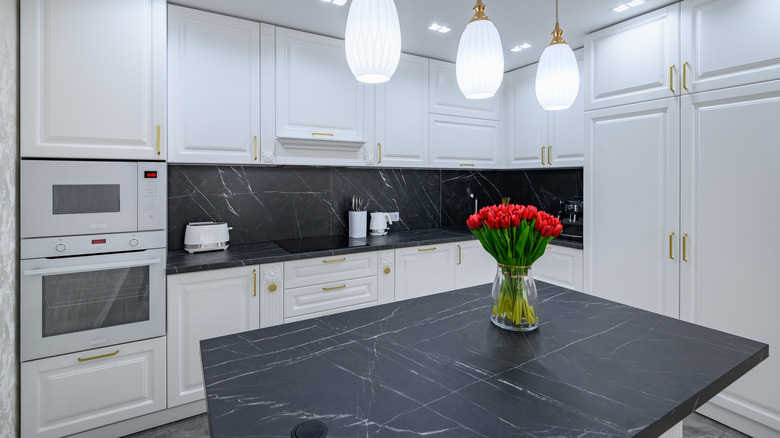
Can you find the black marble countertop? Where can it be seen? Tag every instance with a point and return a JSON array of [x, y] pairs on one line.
[[180, 261], [436, 366]]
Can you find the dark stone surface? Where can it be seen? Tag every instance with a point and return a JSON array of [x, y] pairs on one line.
[[456, 188], [543, 188], [436, 366]]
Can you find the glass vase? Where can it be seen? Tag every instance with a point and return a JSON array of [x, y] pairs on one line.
[[514, 299]]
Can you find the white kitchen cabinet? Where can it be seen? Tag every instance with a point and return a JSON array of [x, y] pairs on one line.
[[72, 393], [537, 138], [446, 97], [386, 277], [320, 107], [213, 88], [401, 128], [561, 266], [424, 270], [726, 43], [632, 177], [728, 265], [463, 143], [93, 79], [203, 305], [271, 294], [633, 61], [473, 264]]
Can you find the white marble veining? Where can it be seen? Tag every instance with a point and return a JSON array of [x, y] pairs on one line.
[[9, 157]]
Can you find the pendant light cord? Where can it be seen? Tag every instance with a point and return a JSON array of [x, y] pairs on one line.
[[556, 11]]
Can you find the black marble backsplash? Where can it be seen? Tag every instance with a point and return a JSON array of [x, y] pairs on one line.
[[271, 203]]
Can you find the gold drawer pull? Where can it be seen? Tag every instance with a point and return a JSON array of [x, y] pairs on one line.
[[387, 270], [428, 249], [334, 261], [98, 357], [254, 277], [272, 287], [671, 236], [466, 165], [327, 134], [335, 287], [460, 256]]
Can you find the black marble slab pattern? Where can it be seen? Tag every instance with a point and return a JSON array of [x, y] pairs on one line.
[[268, 203], [436, 366]]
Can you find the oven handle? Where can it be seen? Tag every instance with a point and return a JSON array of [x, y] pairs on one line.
[[95, 267]]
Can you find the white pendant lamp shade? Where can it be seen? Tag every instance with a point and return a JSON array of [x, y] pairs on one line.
[[479, 66], [373, 40], [557, 78]]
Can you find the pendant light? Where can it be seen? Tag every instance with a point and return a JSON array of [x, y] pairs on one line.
[[557, 77], [373, 40], [479, 66]]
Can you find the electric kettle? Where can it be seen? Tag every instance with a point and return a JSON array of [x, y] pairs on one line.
[[379, 222]]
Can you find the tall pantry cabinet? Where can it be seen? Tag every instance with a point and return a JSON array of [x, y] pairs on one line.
[[680, 171]]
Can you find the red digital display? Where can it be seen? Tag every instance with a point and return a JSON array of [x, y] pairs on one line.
[[98, 241], [150, 174]]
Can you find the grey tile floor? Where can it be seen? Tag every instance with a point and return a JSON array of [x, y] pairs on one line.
[[695, 426]]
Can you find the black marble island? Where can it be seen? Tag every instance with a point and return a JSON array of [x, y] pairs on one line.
[[436, 366]]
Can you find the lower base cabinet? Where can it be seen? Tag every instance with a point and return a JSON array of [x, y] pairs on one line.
[[424, 270], [76, 392], [204, 305], [474, 265], [560, 266]]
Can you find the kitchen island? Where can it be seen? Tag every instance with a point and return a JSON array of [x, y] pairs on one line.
[[436, 366]]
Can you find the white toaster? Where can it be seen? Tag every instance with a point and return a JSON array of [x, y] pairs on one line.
[[206, 236]]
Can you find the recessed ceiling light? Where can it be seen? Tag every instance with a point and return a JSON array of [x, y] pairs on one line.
[[635, 3], [626, 6], [437, 28], [336, 2], [520, 47], [621, 8]]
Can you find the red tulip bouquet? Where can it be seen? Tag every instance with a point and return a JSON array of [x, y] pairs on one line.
[[516, 236]]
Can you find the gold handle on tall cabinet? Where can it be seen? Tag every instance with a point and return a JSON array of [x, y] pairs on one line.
[[254, 277], [158, 139], [255, 147], [685, 77], [335, 287], [549, 152], [460, 258], [542, 155], [380, 153], [671, 78], [685, 256], [671, 237], [98, 357]]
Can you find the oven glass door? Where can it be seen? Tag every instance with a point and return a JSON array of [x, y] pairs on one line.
[[77, 303]]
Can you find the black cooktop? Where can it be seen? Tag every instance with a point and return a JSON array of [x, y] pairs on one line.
[[322, 243]]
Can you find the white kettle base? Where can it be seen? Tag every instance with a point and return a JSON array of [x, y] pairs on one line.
[[377, 232]]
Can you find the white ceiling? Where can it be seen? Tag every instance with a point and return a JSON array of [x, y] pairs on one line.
[[518, 21]]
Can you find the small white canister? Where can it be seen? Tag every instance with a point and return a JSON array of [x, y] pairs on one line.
[[358, 224]]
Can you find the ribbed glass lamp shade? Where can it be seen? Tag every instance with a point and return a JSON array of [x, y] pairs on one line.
[[557, 77], [373, 40], [479, 66]]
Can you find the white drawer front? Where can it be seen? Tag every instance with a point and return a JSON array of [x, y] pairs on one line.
[[62, 396], [329, 296], [326, 269]]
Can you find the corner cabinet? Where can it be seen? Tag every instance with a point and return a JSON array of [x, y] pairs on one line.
[[99, 92], [320, 107], [213, 88], [204, 305], [424, 270], [473, 265]]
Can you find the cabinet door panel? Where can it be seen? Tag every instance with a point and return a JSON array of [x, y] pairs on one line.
[[446, 97], [214, 92], [632, 194], [728, 277], [567, 128], [424, 271], [729, 42], [98, 92], [474, 266], [560, 266], [526, 121], [458, 142]]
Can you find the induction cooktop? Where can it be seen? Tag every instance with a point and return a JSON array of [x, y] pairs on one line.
[[322, 243]]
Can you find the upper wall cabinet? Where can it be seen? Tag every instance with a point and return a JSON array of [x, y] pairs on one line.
[[536, 138], [446, 97], [725, 43], [401, 128], [320, 107], [93, 79], [214, 87], [633, 61], [463, 143]]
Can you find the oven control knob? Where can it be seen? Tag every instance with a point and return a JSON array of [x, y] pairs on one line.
[[133, 242], [60, 247]]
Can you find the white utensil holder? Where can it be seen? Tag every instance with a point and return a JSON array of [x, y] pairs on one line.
[[358, 224]]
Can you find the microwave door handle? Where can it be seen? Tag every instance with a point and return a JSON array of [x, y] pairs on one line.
[[95, 267]]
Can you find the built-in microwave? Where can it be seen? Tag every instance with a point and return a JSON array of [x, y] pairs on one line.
[[69, 198]]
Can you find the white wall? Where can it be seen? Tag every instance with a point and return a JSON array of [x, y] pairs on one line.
[[9, 158]]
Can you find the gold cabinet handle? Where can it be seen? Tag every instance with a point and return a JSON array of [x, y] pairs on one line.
[[158, 139], [272, 287], [255, 147], [327, 134], [335, 287], [671, 78], [380, 153], [542, 155], [334, 261], [460, 258], [428, 249], [685, 256], [685, 76], [466, 165], [84, 359], [254, 277], [671, 237], [387, 270], [549, 152]]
